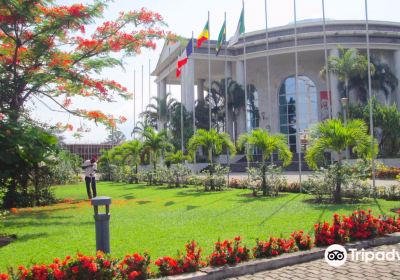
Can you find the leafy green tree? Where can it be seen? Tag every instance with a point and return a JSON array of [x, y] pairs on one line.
[[350, 63], [386, 125], [160, 111], [383, 80], [333, 136], [128, 154], [26, 152], [155, 144], [48, 51], [267, 145]]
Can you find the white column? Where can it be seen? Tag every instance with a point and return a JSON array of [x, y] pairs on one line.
[[187, 85], [239, 72], [241, 117], [397, 73], [229, 69], [161, 93], [335, 94], [200, 89]]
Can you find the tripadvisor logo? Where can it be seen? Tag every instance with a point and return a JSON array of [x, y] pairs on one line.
[[336, 255]]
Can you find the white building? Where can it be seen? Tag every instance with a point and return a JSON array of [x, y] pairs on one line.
[[278, 106]]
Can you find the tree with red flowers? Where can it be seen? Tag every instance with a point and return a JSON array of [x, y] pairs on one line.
[[46, 52]]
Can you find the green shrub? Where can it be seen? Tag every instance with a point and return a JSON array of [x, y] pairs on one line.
[[215, 177], [178, 175], [389, 193], [274, 182]]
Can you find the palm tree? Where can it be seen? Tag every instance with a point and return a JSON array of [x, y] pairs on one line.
[[382, 80], [129, 153], [175, 125], [140, 127], [217, 99], [236, 102], [267, 145], [212, 142], [334, 136], [175, 158], [155, 144], [347, 65], [158, 113]]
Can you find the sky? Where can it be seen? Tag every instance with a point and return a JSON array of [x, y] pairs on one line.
[[184, 17]]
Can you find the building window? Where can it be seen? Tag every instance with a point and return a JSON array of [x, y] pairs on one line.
[[307, 107], [253, 112]]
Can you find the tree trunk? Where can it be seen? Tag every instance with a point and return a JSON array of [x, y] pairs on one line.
[[10, 197], [212, 187], [136, 174], [264, 180], [337, 197]]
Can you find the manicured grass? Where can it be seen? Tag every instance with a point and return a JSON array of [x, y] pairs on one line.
[[160, 221]]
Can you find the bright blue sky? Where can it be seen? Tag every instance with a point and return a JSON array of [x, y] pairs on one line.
[[185, 16]]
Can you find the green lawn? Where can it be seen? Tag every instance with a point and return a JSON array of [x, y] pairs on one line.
[[160, 221]]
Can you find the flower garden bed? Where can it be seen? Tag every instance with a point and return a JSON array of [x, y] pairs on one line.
[[229, 258]]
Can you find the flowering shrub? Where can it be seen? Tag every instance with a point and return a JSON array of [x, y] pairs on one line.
[[385, 172], [214, 177], [360, 225], [190, 262], [236, 183], [229, 252], [135, 266], [178, 175], [274, 247], [389, 192], [303, 242]]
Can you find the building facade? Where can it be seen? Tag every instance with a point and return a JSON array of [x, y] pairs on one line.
[[279, 103]]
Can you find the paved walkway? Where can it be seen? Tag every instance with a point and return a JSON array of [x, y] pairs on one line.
[[319, 269]]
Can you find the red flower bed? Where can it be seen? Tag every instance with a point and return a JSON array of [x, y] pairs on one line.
[[229, 252], [303, 242], [360, 225], [274, 247], [190, 262], [134, 266]]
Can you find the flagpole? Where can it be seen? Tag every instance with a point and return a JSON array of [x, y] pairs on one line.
[[169, 91], [371, 119], [194, 107], [209, 72], [245, 73], [226, 79], [268, 71], [296, 92], [226, 94], [142, 92], [180, 51], [134, 101], [327, 78], [149, 81]]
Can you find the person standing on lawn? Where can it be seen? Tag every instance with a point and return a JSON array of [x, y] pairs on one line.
[[90, 168]]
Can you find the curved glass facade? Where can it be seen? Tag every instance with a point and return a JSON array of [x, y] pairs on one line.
[[307, 107]]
